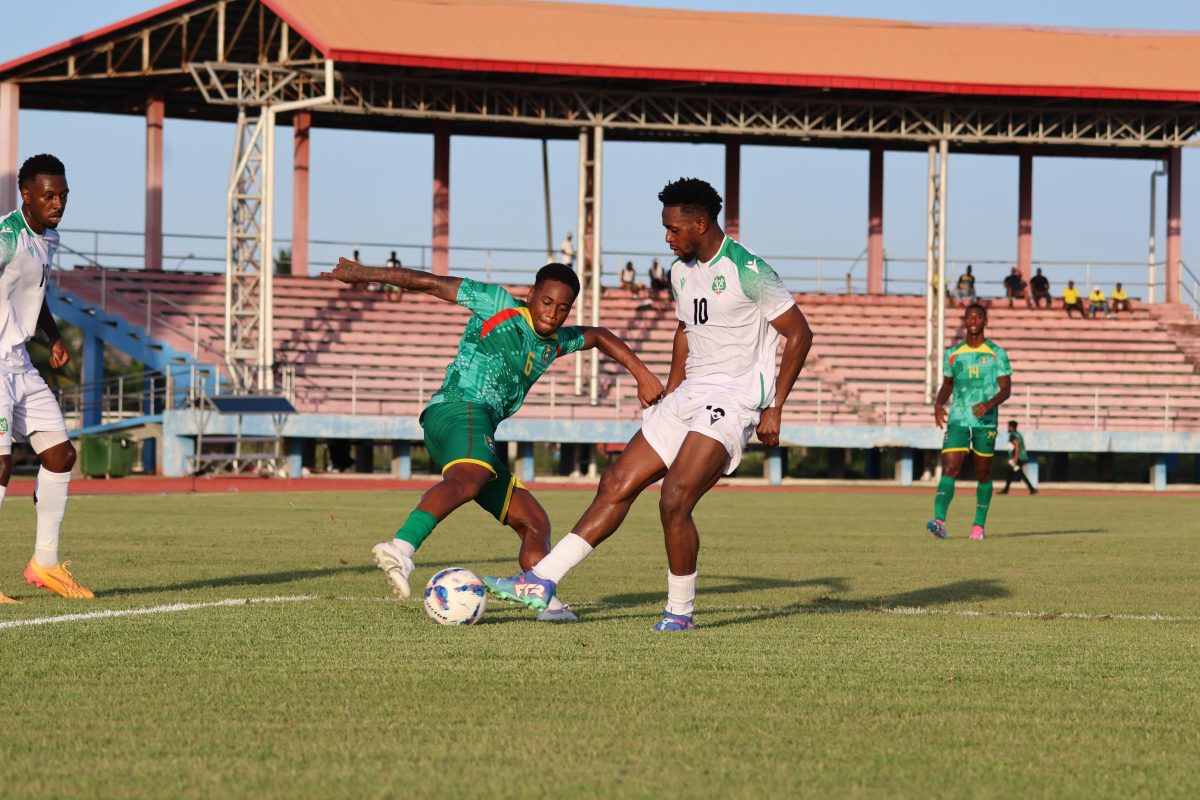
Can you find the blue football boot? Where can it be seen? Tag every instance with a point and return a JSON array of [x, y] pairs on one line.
[[936, 527], [525, 588], [674, 622]]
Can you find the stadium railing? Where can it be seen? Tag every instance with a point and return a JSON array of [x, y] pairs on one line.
[[822, 274]]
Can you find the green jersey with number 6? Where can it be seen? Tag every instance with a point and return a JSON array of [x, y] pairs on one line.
[[500, 355]]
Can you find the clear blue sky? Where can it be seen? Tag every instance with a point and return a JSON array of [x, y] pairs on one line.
[[375, 187]]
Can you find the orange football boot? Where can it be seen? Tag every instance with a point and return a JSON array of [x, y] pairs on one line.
[[57, 579]]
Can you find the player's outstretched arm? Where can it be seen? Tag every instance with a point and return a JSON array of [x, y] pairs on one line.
[[59, 356], [679, 354], [939, 403], [650, 388], [444, 287], [794, 327], [1004, 382]]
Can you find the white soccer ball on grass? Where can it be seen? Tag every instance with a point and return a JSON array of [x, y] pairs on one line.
[[455, 596]]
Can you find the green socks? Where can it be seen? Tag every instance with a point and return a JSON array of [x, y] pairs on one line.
[[417, 527], [983, 500], [945, 493]]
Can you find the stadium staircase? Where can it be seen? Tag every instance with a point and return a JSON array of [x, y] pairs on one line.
[[129, 321], [354, 351]]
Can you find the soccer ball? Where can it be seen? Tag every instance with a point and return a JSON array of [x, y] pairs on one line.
[[455, 596]]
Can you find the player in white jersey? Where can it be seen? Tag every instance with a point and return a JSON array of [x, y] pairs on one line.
[[732, 310], [28, 409]]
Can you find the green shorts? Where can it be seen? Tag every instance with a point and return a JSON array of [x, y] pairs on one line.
[[978, 440], [464, 432]]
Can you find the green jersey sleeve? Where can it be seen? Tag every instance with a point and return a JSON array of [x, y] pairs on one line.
[[484, 299], [1002, 366], [570, 339]]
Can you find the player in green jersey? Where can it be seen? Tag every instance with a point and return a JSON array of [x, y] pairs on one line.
[[979, 376], [1017, 459], [506, 346]]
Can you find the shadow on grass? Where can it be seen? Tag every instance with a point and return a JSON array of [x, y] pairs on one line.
[[260, 579], [732, 585], [958, 592], [275, 578], [1052, 533]]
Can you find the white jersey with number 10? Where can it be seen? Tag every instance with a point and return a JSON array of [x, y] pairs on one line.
[[726, 307]]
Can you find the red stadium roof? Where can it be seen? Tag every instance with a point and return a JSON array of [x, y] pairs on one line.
[[610, 41]]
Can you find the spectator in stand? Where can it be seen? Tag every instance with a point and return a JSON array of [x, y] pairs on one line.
[[658, 277], [1097, 302], [629, 279], [1039, 290], [965, 288], [937, 280], [1120, 299], [1014, 288], [566, 251], [392, 293], [1071, 301]]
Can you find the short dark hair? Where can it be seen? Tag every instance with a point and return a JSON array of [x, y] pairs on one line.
[[558, 272], [980, 306], [41, 164], [693, 195]]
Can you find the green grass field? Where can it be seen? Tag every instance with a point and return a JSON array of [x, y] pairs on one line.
[[842, 652]]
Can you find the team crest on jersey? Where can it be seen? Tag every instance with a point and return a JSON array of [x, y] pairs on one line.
[[718, 284], [547, 353], [490, 442], [3, 424]]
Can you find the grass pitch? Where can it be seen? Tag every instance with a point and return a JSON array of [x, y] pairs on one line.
[[842, 652]]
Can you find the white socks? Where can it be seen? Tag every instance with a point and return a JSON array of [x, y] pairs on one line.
[[681, 594], [51, 494], [405, 547], [3, 491], [565, 556]]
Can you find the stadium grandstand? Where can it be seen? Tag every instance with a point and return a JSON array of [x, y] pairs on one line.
[[1130, 385]]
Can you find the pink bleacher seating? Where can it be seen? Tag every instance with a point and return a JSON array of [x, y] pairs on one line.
[[355, 352]]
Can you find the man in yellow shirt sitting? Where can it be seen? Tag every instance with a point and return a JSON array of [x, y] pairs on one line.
[[1120, 299], [1071, 301], [1097, 302]]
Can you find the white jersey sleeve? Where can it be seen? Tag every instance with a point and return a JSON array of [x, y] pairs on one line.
[[763, 287], [25, 259]]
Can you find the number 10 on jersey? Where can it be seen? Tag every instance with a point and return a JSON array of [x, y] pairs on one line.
[[699, 310]]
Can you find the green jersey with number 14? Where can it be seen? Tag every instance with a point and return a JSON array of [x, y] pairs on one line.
[[976, 372]]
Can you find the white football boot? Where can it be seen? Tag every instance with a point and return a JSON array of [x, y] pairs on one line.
[[396, 565], [557, 612]]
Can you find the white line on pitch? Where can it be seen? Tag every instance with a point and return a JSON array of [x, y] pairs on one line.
[[167, 609], [945, 612]]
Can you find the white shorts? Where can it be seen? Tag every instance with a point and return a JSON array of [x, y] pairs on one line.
[[705, 410], [27, 406]]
